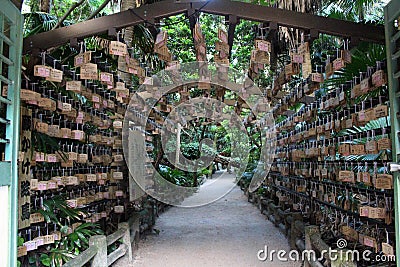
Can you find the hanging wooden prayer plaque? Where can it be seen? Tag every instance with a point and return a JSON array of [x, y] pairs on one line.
[[384, 181], [47, 104], [306, 67], [82, 58], [338, 64], [381, 111], [379, 78], [346, 56], [317, 77], [24, 166], [161, 39], [89, 71], [222, 61], [74, 86], [349, 233], [371, 147], [346, 176], [107, 78], [387, 249], [297, 58], [291, 69], [117, 48], [131, 62], [42, 71], [303, 48], [223, 36], [259, 56], [220, 46], [263, 45], [365, 85], [384, 144], [356, 91], [329, 70], [28, 95], [55, 76]]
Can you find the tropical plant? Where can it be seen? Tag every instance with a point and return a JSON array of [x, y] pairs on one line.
[[358, 10], [364, 56], [37, 22], [72, 241]]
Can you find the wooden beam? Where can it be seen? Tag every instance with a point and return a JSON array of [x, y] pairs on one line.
[[17, 3], [241, 10], [297, 20], [101, 25]]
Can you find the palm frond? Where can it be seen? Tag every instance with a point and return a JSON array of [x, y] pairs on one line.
[[36, 22], [362, 57]]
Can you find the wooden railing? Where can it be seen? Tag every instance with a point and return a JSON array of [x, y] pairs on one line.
[[314, 242], [127, 232]]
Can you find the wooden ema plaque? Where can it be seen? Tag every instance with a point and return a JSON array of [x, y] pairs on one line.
[[42, 71], [117, 48], [24, 166], [161, 39], [82, 58], [55, 76], [89, 71], [262, 45]]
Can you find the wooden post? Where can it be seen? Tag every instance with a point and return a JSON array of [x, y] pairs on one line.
[[126, 239], [178, 144], [100, 260], [134, 221], [309, 231], [296, 229]]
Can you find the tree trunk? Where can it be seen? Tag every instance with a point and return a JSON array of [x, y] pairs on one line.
[[195, 178], [45, 6], [97, 11], [64, 17]]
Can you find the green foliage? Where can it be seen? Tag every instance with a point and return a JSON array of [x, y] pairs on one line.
[[55, 257], [191, 150], [261, 191], [143, 39], [60, 7], [180, 41], [242, 44], [322, 47], [366, 54], [79, 238], [175, 176], [64, 211], [37, 22], [44, 143], [205, 172], [20, 241], [57, 211], [355, 10], [209, 26]]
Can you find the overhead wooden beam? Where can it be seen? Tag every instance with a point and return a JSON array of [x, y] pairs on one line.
[[101, 25], [241, 10], [297, 20]]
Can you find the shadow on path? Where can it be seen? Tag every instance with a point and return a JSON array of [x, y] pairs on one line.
[[228, 232]]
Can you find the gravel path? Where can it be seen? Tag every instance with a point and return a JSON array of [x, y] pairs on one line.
[[228, 233]]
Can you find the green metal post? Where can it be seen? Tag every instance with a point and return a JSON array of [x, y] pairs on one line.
[[11, 34], [392, 13]]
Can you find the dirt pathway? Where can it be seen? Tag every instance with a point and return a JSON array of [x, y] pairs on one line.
[[228, 233]]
